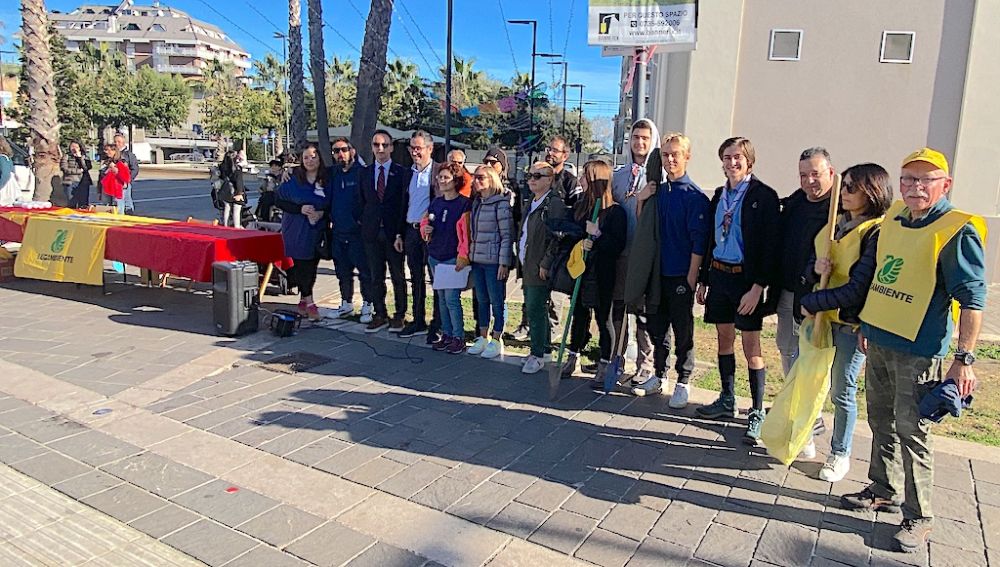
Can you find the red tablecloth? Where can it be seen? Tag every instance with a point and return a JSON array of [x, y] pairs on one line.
[[181, 249]]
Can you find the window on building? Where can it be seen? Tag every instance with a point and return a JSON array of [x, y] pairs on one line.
[[157, 28], [786, 45], [897, 47], [132, 27]]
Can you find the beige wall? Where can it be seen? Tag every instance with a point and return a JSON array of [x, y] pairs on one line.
[[977, 180]]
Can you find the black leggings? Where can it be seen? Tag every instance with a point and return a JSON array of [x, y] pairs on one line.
[[303, 275]]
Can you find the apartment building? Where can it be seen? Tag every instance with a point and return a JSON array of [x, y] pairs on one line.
[[870, 81], [164, 38]]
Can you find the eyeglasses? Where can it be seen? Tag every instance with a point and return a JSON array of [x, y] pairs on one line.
[[537, 176], [910, 181], [552, 150], [491, 161], [341, 150], [481, 177], [380, 145]]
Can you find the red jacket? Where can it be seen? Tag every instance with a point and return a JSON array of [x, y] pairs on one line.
[[114, 185]]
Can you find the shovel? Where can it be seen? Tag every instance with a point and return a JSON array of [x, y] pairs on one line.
[[617, 366], [555, 371]]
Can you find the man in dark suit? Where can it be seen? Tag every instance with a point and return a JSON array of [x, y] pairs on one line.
[[382, 192]]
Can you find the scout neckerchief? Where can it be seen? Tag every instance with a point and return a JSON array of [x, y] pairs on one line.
[[732, 198]]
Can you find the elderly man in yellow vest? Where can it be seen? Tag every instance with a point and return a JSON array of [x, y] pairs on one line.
[[929, 257]]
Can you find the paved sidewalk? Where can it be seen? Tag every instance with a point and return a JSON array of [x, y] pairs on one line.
[[381, 452], [40, 526]]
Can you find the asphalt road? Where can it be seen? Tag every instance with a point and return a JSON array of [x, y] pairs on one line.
[[178, 195]]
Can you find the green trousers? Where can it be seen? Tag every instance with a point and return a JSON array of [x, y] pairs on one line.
[[536, 299], [902, 460]]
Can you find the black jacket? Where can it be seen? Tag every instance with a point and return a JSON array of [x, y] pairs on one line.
[[133, 163], [801, 221], [850, 297], [388, 216], [759, 223], [602, 260]]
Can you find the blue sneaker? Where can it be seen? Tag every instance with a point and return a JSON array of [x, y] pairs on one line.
[[755, 420], [723, 407]]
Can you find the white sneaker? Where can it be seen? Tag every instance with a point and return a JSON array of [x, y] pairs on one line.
[[346, 309], [493, 349], [836, 468], [679, 399], [650, 387], [809, 451], [478, 346], [532, 365], [367, 311]]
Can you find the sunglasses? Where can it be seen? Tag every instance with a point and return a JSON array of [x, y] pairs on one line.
[[851, 188], [537, 176], [380, 145], [490, 161], [341, 150]]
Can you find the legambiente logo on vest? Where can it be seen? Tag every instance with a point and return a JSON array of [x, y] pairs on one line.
[[57, 246], [888, 275]]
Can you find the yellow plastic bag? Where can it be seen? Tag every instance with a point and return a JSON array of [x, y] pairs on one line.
[[788, 426]]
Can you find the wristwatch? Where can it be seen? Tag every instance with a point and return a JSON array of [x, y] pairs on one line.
[[965, 358]]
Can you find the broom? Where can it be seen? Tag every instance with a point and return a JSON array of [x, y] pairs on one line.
[[613, 374], [555, 372], [824, 280]]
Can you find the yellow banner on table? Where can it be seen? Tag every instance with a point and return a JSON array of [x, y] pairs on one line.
[[60, 250]]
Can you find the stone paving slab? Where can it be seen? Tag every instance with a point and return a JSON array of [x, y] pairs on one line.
[[452, 445]]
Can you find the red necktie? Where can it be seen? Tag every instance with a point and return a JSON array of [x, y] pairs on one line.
[[380, 183]]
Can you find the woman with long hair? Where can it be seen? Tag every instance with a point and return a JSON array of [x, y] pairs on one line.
[[75, 167], [865, 195], [233, 192], [446, 227], [604, 242], [305, 200], [492, 255], [114, 176]]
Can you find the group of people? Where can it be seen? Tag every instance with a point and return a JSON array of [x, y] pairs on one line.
[[117, 170], [655, 245]]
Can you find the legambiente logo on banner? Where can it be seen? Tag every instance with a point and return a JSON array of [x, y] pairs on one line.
[[57, 246]]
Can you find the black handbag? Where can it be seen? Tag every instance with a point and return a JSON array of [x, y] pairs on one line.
[[559, 278]]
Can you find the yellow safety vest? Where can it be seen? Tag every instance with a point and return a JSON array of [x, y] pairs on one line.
[[844, 253], [906, 269]]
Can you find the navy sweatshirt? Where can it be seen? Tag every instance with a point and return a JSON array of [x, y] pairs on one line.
[[684, 224]]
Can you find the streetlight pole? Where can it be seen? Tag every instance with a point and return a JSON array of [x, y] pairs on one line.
[[565, 66], [447, 87], [284, 82], [531, 90], [579, 124]]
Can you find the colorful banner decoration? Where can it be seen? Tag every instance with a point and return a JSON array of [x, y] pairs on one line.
[[507, 104], [470, 112]]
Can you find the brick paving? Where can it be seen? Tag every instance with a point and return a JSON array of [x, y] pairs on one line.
[[128, 407]]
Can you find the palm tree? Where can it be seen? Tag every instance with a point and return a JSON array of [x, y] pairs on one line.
[[271, 75], [297, 80], [43, 120], [317, 68], [370, 75]]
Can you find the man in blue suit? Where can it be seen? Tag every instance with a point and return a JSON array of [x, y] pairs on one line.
[[382, 189]]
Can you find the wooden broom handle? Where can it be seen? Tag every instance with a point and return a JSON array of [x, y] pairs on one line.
[[824, 280]]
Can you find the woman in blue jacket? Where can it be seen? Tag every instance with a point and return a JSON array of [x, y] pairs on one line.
[[306, 202]]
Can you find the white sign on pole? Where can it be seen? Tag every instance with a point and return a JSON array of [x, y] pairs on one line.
[[642, 22]]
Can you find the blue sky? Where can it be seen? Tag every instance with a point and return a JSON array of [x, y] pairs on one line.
[[479, 32]]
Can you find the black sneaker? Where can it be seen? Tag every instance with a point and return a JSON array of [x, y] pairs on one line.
[[412, 330], [432, 336], [868, 500]]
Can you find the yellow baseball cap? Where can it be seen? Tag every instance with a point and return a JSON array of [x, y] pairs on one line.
[[928, 155]]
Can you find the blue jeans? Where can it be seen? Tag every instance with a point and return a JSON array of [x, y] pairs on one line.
[[127, 197], [450, 305], [847, 364], [491, 295], [349, 255]]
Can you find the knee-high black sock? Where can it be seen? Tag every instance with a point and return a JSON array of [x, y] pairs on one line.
[[757, 387], [727, 370]]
